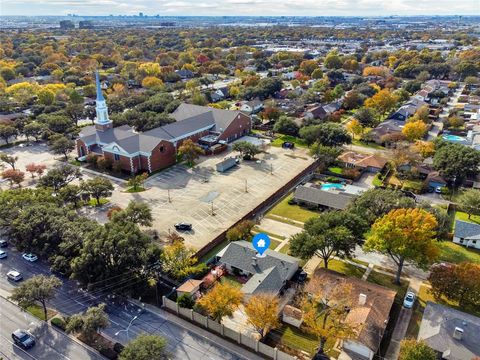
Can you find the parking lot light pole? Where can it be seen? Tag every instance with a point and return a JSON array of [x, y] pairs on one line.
[[127, 328], [246, 186], [169, 198], [213, 213]]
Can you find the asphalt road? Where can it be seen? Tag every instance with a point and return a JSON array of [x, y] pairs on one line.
[[184, 341], [50, 343]]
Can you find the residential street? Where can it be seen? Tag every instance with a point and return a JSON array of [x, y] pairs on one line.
[[50, 343], [185, 341]]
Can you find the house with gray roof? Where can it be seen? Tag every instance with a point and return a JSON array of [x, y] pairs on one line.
[[333, 198], [268, 273], [157, 148], [467, 234], [453, 334]]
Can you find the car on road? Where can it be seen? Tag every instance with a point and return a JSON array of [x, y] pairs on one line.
[[409, 300], [30, 257], [3, 243], [23, 338], [3, 254], [183, 226], [14, 275]]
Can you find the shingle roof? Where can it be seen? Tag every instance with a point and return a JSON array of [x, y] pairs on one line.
[[466, 230], [363, 160], [437, 328], [269, 272], [373, 314], [330, 199]]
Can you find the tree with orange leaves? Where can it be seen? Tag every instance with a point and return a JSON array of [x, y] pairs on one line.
[[404, 235]]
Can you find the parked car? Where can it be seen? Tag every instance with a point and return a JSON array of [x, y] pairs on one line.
[[30, 257], [288, 145], [3, 243], [409, 300], [23, 338], [438, 189], [3, 254], [14, 275], [183, 226]]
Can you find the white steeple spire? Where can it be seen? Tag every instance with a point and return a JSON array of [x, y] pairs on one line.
[[102, 121]]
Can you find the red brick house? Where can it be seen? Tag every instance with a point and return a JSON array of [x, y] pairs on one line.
[[157, 148]]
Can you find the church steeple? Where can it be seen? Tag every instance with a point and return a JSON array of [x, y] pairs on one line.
[[102, 122]]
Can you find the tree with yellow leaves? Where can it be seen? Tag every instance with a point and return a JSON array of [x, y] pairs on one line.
[[383, 101], [424, 148], [414, 130], [325, 312], [404, 235], [262, 311], [152, 82], [221, 301], [354, 127]]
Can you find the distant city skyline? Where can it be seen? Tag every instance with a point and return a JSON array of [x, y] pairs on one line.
[[241, 7]]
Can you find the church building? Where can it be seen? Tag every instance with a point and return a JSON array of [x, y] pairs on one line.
[[156, 149]]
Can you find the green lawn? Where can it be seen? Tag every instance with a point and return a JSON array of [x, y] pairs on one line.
[[336, 170], [295, 212], [414, 185], [460, 215], [345, 268], [371, 145], [213, 252], [37, 311], [93, 202], [285, 249], [139, 189], [228, 279], [454, 253], [257, 229], [376, 180], [282, 138], [423, 296]]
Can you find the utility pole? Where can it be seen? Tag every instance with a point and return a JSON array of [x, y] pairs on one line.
[[212, 212], [246, 186], [169, 198]]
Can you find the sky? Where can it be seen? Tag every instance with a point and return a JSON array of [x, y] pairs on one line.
[[241, 7]]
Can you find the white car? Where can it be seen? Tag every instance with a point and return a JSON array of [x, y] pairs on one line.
[[14, 275], [3, 254], [409, 300], [30, 257]]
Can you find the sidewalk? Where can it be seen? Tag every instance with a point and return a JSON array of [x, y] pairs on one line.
[[239, 351]]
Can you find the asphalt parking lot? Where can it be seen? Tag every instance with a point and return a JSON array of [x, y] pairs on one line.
[[213, 201]]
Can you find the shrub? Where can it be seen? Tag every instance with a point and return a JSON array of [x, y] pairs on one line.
[[59, 323], [104, 163], [92, 159], [118, 348], [291, 201], [186, 301], [109, 353]]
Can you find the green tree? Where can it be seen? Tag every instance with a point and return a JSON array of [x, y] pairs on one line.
[[145, 347], [328, 134], [33, 129], [71, 194], [38, 288], [46, 97], [404, 235], [286, 125], [136, 182], [61, 145], [456, 161], [98, 187], [246, 149], [241, 231], [89, 323], [7, 132], [333, 60], [366, 117], [470, 202], [8, 159], [411, 349], [136, 212], [333, 233], [190, 151], [60, 176]]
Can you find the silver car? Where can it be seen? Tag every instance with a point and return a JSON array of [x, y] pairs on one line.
[[409, 300]]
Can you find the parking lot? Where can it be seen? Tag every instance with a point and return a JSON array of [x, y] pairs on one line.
[[213, 201]]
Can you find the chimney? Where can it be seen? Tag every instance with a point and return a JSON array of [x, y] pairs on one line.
[[362, 299], [254, 261], [458, 333]]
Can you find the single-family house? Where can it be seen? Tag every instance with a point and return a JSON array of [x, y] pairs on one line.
[[251, 107], [316, 112], [185, 74], [453, 334], [467, 234], [435, 180], [337, 198], [369, 314], [268, 273], [389, 127], [364, 162]]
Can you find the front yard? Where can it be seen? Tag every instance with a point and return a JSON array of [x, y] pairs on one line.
[[294, 212], [454, 253], [460, 215], [288, 138]]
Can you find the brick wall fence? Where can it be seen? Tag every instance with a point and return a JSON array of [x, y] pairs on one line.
[[262, 207], [226, 332]]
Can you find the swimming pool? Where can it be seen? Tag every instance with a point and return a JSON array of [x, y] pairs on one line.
[[328, 186], [454, 138]]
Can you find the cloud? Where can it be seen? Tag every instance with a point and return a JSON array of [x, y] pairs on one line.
[[242, 7]]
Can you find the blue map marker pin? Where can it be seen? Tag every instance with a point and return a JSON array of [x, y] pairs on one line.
[[261, 243]]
